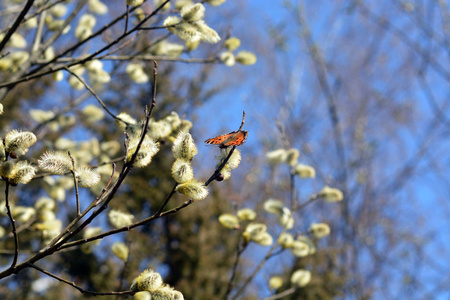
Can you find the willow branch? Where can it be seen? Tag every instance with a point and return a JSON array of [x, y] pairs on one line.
[[16, 24]]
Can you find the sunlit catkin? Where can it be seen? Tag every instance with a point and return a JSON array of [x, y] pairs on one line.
[[194, 189], [182, 171], [148, 280], [146, 152], [87, 177], [55, 162], [184, 146], [18, 142], [7, 169], [331, 194], [119, 219], [24, 172], [193, 12]]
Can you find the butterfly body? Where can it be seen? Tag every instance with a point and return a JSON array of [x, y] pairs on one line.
[[235, 138]]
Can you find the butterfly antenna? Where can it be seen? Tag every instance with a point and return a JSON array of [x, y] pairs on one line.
[[243, 120]]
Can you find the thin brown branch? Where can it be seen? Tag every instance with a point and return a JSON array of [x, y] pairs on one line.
[[81, 290], [16, 24], [96, 96], [282, 294], [13, 225], [75, 183], [239, 251], [35, 72]]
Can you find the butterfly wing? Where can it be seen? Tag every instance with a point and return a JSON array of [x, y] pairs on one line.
[[235, 139], [218, 139]]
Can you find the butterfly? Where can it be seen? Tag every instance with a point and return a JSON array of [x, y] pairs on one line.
[[235, 138]]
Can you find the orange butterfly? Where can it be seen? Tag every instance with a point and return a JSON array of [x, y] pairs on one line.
[[235, 138]]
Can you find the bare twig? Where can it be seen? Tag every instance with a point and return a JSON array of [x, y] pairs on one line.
[[96, 96], [282, 294], [239, 251], [81, 290], [13, 225], [16, 24], [75, 183]]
